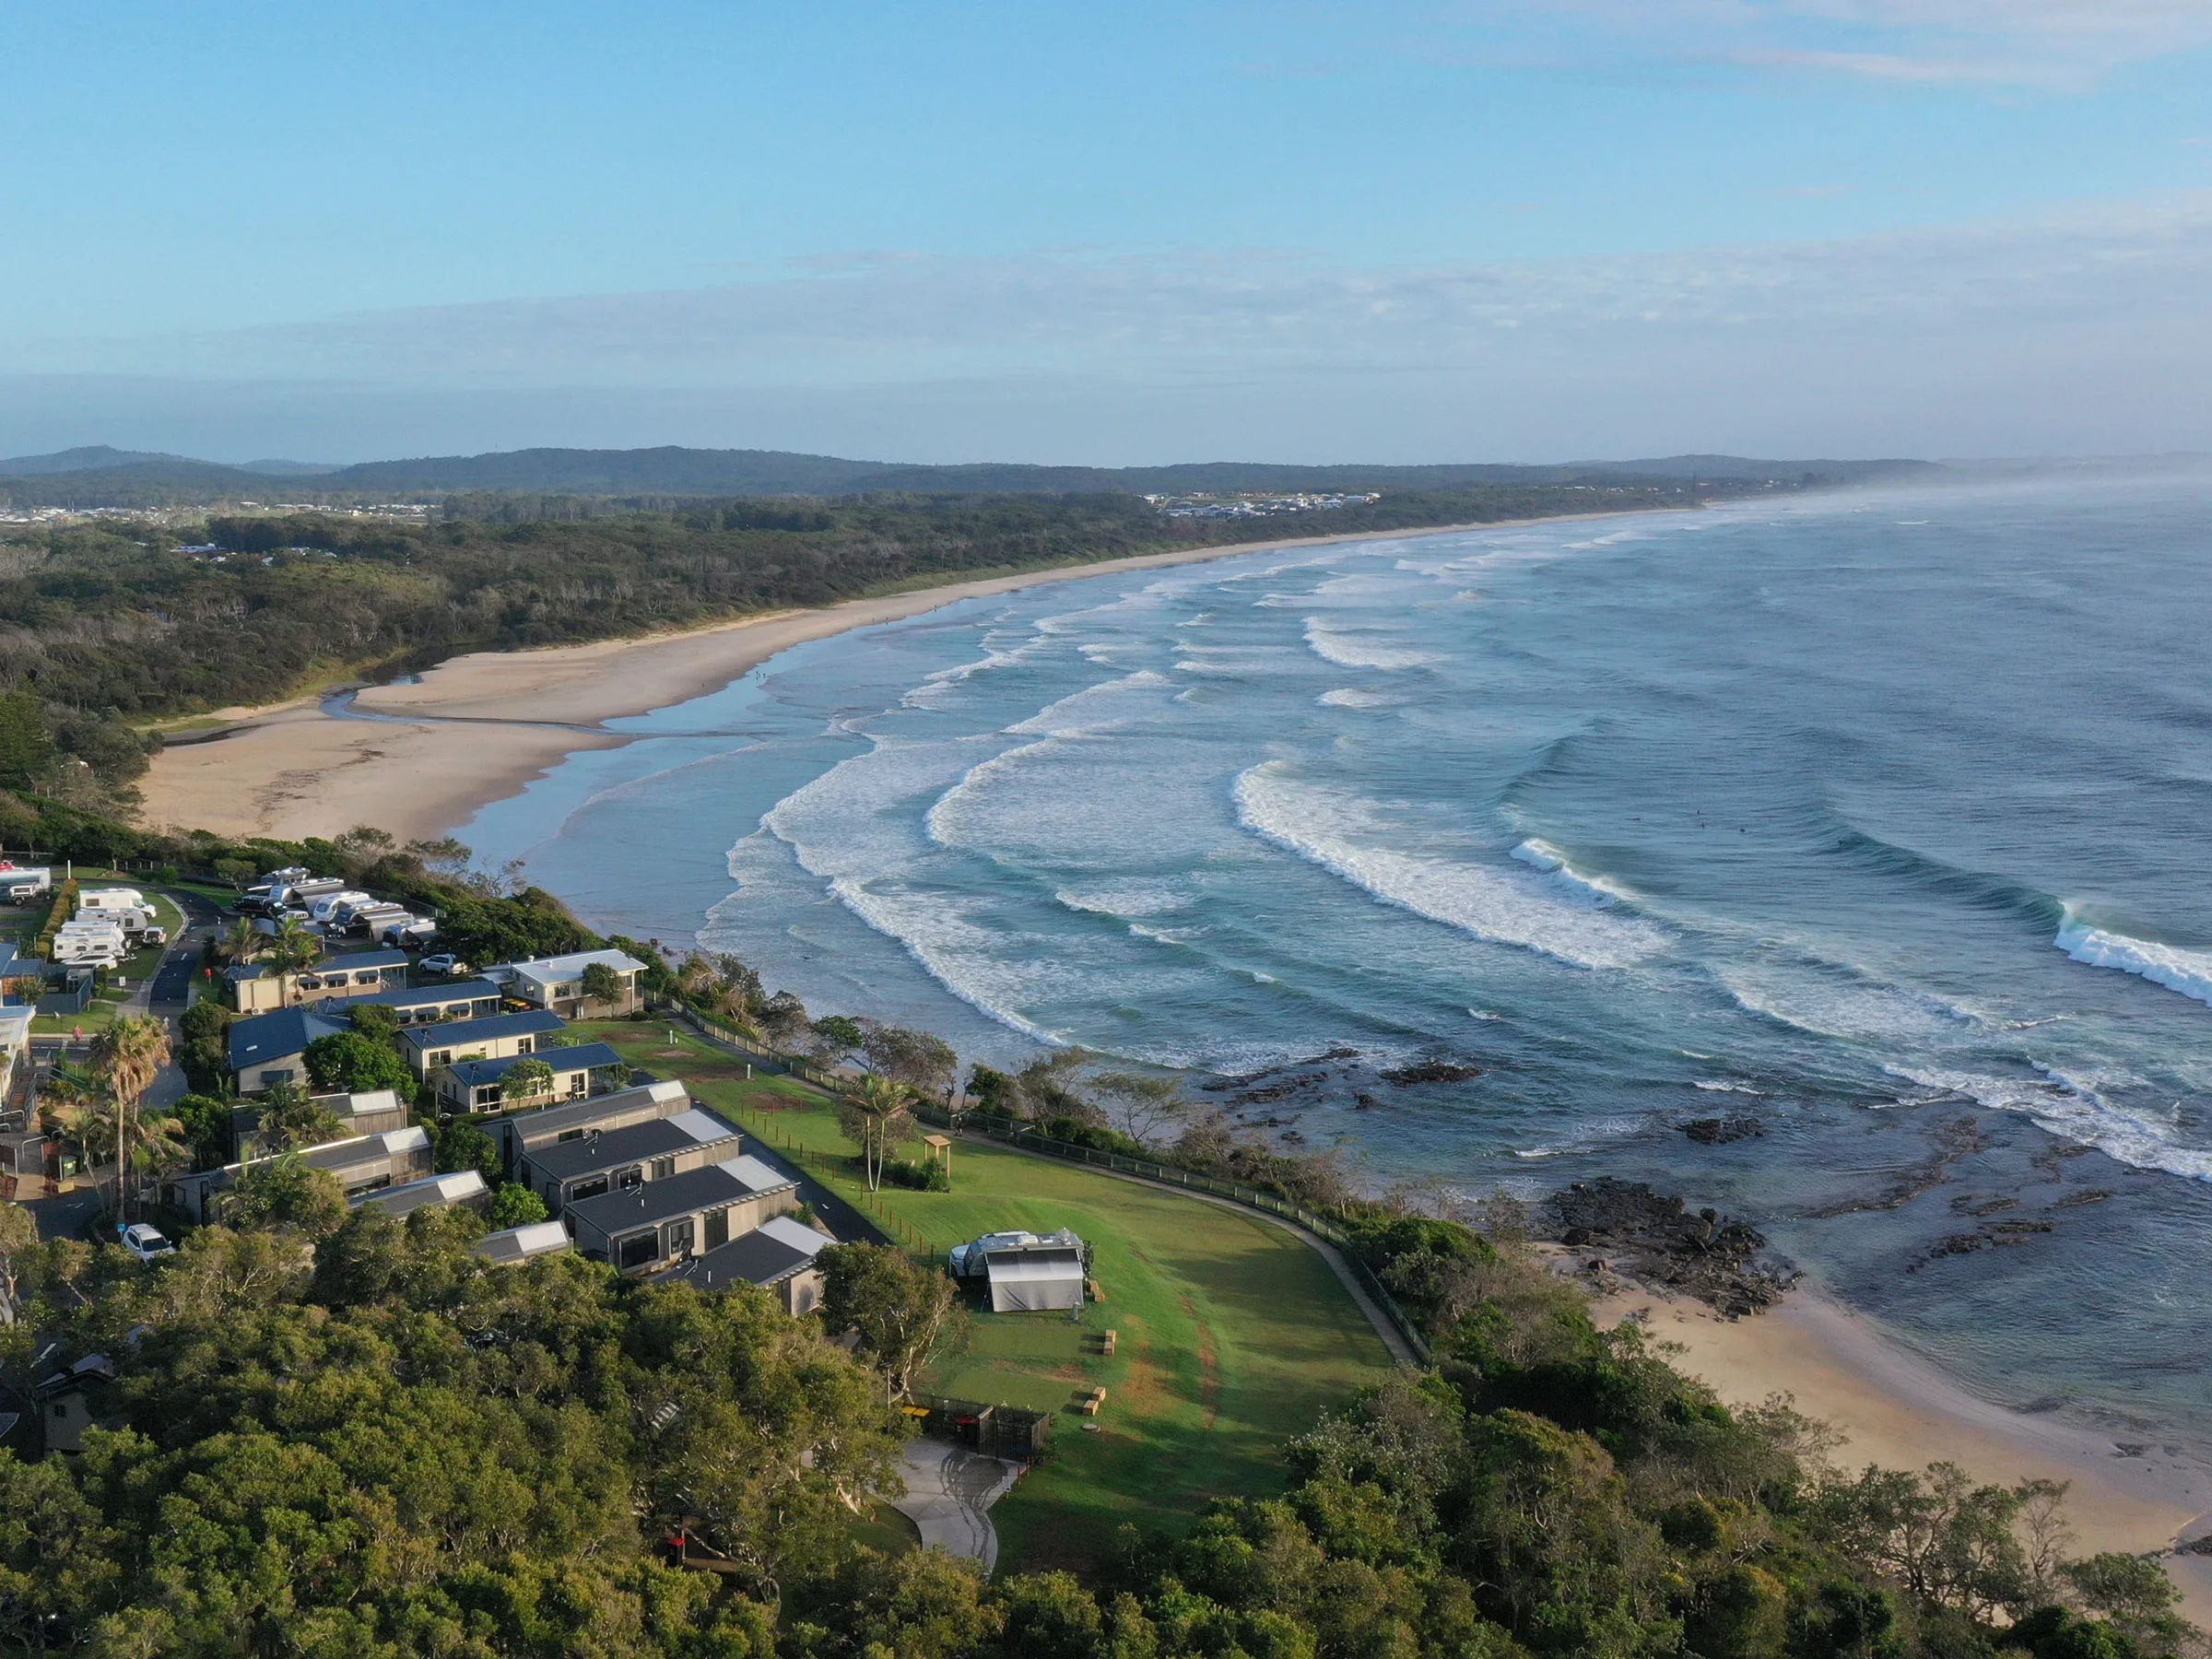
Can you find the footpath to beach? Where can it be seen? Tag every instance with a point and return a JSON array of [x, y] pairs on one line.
[[477, 728]]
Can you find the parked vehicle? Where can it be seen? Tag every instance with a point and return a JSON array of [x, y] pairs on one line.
[[445, 963], [407, 933], [145, 1242], [323, 907], [374, 918], [110, 898]]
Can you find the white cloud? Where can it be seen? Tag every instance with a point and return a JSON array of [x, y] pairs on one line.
[[2063, 44], [2080, 331]]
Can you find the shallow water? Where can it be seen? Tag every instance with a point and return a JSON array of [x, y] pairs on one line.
[[1880, 819]]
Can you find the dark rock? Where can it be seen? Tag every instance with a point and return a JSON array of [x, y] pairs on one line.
[[1719, 1132], [1653, 1239], [1431, 1071]]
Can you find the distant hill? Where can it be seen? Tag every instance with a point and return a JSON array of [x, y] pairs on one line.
[[99, 475], [88, 458], [675, 471]]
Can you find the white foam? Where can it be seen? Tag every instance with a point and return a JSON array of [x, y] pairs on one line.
[[1713, 1085], [1356, 696], [1552, 861], [2172, 966], [1835, 1002], [1349, 648], [960, 955], [1123, 899], [2073, 1112], [1345, 835]]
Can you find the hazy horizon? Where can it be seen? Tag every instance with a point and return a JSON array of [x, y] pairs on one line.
[[1516, 230]]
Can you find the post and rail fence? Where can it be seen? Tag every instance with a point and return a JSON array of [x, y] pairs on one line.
[[1025, 1138]]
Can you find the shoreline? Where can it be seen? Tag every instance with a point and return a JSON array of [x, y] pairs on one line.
[[484, 726], [1902, 1411]]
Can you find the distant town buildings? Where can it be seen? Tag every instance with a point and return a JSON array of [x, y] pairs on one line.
[[1240, 507]]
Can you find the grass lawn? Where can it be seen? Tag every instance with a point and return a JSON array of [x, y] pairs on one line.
[[1232, 1335]]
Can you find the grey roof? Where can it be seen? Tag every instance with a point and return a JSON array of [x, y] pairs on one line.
[[460, 1033], [361, 960], [266, 1037], [656, 1137], [771, 1253], [456, 1187], [648, 1205], [520, 1243], [423, 996], [362, 1149], [583, 1056]]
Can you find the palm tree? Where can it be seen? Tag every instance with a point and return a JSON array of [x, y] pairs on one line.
[[126, 1058], [882, 1112], [98, 1103], [243, 942], [292, 947]]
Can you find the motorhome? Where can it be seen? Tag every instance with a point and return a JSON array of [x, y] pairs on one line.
[[372, 919], [112, 899]]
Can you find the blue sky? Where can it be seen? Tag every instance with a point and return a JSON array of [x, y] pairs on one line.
[[1395, 230]]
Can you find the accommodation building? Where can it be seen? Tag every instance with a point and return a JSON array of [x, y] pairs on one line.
[[426, 1005], [363, 1163], [456, 1187], [777, 1255], [371, 1111], [521, 1132], [497, 1037], [68, 1399], [557, 982], [659, 1222], [604, 1160], [520, 1244], [255, 988], [480, 1085], [268, 1049]]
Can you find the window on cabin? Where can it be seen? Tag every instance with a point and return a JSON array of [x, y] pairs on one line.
[[638, 1250], [587, 1189], [663, 1168], [567, 1135]]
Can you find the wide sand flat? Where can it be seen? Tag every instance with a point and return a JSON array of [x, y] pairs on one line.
[[1898, 1411], [288, 770]]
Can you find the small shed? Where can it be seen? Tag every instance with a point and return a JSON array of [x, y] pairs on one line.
[[1035, 1278]]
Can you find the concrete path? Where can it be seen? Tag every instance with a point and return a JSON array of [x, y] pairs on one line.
[[948, 1490]]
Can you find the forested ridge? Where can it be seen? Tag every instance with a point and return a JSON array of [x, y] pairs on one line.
[[107, 626]]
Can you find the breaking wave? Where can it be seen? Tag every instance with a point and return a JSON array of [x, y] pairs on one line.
[[2172, 966], [1355, 648], [2073, 1112], [1344, 835]]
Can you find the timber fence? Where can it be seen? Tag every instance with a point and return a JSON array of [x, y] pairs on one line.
[[1026, 1138]]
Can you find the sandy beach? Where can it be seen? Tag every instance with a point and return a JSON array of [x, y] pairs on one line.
[[1899, 1410], [484, 724]]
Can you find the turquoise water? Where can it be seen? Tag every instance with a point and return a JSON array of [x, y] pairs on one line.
[[1879, 819]]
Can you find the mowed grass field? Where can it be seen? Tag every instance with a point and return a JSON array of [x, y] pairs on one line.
[[1232, 1335]]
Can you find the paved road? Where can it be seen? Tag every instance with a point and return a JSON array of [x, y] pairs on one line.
[[949, 1490]]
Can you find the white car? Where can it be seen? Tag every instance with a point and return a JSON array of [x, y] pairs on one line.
[[442, 964], [143, 1241]]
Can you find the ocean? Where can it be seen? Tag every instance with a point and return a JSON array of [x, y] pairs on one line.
[[1874, 826]]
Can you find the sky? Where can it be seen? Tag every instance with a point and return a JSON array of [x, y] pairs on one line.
[[1494, 230]]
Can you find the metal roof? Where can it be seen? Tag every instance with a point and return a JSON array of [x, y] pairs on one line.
[[613, 1149], [771, 1253], [460, 1033], [583, 1056], [648, 1205]]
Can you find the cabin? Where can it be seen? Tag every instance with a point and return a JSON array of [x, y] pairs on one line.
[[516, 1245], [777, 1256], [364, 1163], [480, 1085], [557, 982], [466, 1188], [497, 1037], [269, 1049], [604, 1160], [371, 1111], [653, 1225], [426, 1004], [520, 1132], [256, 988], [70, 1399]]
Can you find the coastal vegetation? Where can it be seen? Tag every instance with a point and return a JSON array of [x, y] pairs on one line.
[[109, 628], [339, 1433]]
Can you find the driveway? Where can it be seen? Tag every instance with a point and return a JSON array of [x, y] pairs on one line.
[[949, 1490]]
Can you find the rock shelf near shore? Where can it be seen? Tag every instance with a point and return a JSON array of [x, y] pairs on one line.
[[1656, 1239]]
